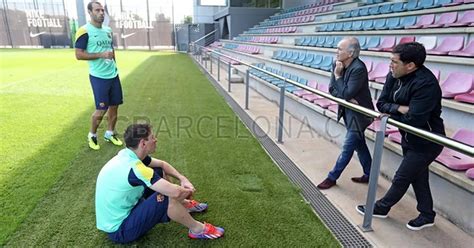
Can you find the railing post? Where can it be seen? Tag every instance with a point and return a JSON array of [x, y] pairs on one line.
[[200, 53], [374, 175], [218, 68], [282, 112], [247, 88], [205, 63], [210, 60], [229, 72]]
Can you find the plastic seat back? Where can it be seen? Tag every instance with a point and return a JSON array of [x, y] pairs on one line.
[[368, 24], [356, 25], [429, 42], [450, 44], [380, 71], [457, 83], [408, 21], [380, 24], [393, 23]]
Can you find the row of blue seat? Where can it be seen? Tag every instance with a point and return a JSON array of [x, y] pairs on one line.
[[312, 60], [395, 7], [332, 41], [377, 24], [276, 81]]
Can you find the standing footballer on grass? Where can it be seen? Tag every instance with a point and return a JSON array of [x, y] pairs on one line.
[[94, 44]]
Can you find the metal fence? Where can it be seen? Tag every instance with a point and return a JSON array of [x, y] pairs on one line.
[[379, 136]]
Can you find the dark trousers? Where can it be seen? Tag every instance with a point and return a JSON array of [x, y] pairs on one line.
[[413, 170], [354, 141]]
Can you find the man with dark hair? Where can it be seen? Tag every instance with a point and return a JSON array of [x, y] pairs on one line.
[[412, 95], [349, 81], [94, 44], [134, 193]]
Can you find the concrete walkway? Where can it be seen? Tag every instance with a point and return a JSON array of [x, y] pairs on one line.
[[315, 157]]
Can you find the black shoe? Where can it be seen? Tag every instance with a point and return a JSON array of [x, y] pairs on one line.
[[419, 223], [362, 179], [326, 184], [377, 213]]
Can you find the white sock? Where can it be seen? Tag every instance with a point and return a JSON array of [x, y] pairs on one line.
[[91, 135], [109, 133]]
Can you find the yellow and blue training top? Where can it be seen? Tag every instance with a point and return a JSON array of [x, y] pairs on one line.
[[97, 40], [120, 185]]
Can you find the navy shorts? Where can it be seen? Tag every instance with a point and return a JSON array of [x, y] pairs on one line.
[[107, 92], [150, 210]]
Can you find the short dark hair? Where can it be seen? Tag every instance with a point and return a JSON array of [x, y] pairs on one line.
[[89, 5], [411, 52], [136, 132]]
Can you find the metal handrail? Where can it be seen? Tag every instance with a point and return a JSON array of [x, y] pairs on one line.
[[442, 140], [205, 36]]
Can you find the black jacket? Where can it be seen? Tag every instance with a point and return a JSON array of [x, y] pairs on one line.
[[420, 91], [353, 84]]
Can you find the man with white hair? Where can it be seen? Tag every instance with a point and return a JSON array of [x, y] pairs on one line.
[[349, 81]]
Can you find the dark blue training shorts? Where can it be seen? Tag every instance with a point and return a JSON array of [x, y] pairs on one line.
[[151, 210], [107, 92]]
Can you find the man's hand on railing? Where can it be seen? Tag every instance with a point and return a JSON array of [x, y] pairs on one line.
[[382, 115], [403, 109], [354, 101]]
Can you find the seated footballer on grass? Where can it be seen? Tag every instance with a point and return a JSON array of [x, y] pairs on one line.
[[134, 193]]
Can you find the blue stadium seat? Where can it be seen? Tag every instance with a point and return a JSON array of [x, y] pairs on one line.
[[336, 41], [426, 4], [357, 25], [306, 41], [329, 41], [338, 26], [393, 23], [364, 12], [299, 41], [330, 27], [368, 25], [346, 14], [398, 7], [323, 28], [301, 58], [276, 54], [326, 64], [408, 21], [413, 5], [440, 3], [321, 41], [374, 10], [289, 54], [295, 56], [316, 61], [293, 88], [314, 41], [373, 42], [355, 13], [309, 58], [380, 24], [362, 40], [385, 9], [347, 26]]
